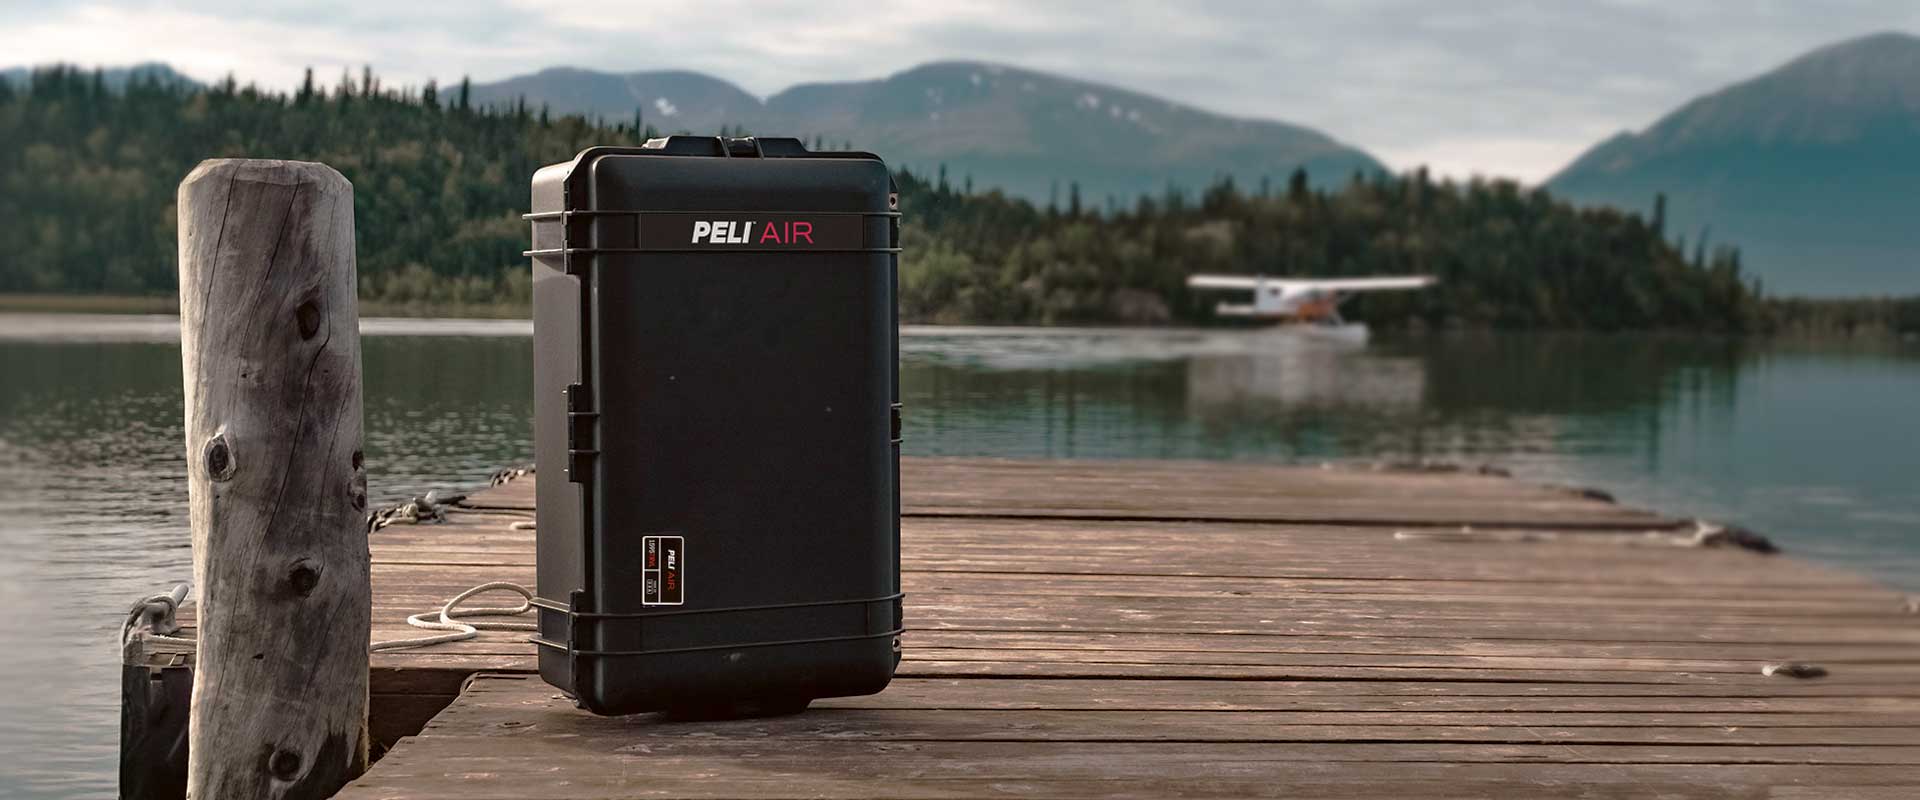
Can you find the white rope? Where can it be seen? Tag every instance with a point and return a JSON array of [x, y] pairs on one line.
[[448, 617], [450, 613], [161, 637], [432, 507]]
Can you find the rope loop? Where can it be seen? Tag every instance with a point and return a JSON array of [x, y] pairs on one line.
[[449, 617]]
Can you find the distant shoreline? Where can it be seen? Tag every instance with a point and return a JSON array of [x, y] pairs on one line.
[[168, 304], [400, 313]]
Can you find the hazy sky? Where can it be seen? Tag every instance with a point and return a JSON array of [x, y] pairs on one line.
[[1494, 87]]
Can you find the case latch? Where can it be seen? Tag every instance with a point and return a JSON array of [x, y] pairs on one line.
[[583, 429]]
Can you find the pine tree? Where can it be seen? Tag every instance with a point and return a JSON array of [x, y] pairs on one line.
[[1297, 185], [436, 226]]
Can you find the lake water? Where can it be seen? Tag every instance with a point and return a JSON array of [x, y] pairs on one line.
[[1814, 446]]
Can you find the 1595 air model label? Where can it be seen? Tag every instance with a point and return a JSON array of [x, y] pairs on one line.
[[663, 571]]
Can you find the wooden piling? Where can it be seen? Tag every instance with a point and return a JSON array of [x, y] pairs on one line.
[[271, 352]]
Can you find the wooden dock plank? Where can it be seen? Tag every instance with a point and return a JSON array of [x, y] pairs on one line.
[[1310, 639], [1225, 491]]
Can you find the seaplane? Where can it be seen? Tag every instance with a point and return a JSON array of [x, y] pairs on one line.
[[1304, 305]]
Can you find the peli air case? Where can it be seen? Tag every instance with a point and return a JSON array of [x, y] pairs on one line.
[[717, 425]]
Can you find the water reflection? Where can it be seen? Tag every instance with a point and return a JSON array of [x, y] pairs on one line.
[[1811, 445], [93, 506], [1288, 397], [1302, 374]]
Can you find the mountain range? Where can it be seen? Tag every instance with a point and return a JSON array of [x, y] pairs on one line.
[[1809, 169], [1812, 169], [1032, 134]]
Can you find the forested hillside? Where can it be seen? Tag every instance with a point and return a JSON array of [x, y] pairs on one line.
[[1506, 257], [87, 179]]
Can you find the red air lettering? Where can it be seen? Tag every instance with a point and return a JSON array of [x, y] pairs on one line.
[[787, 233]]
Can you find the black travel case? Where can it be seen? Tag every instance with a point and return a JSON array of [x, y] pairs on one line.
[[716, 425]]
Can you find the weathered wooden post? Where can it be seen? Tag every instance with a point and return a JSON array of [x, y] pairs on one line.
[[271, 347]]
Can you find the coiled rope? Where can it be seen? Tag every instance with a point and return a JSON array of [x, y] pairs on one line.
[[434, 507], [153, 616], [450, 615]]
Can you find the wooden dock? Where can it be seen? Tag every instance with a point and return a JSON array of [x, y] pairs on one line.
[[1153, 629]]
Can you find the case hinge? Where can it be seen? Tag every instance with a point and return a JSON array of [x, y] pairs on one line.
[[583, 434], [896, 423]]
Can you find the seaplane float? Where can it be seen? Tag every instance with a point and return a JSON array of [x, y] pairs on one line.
[[1308, 306]]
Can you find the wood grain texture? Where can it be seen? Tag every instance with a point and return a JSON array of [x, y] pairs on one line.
[[1225, 492], [1284, 644], [271, 354]]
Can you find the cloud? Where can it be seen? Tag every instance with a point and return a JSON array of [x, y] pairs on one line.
[[1495, 87]]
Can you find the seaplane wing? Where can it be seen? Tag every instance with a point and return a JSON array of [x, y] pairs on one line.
[[1306, 285], [1360, 284], [1247, 282], [1299, 299]]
